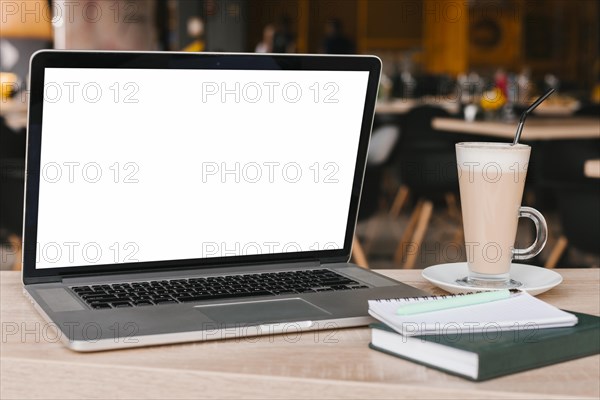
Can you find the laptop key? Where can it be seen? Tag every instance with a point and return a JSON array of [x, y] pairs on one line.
[[186, 299], [92, 296], [341, 287], [100, 306], [121, 304], [104, 299]]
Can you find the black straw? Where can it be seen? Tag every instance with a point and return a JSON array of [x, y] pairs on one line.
[[526, 113]]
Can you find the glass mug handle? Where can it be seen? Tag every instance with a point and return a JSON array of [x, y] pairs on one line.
[[541, 234]]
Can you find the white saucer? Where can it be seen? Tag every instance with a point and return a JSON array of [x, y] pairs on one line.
[[535, 280]]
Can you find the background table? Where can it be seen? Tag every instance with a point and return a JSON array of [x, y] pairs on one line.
[[323, 364], [535, 128], [403, 106], [591, 168], [14, 111]]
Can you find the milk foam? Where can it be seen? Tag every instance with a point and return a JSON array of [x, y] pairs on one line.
[[476, 156]]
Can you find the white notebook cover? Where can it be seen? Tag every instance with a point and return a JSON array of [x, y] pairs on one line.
[[518, 312]]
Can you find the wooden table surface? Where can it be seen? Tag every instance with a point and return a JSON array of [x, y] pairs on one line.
[[325, 364], [535, 128]]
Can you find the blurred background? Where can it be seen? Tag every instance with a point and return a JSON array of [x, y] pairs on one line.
[[452, 71]]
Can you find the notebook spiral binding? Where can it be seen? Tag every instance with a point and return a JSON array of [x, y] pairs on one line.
[[435, 297]]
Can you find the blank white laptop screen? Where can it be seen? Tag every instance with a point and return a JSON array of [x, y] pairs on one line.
[[145, 165]]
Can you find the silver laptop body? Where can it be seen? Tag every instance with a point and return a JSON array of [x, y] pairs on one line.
[[177, 197]]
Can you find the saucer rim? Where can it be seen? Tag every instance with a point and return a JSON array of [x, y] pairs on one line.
[[534, 290]]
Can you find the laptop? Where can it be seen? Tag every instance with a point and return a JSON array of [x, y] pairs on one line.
[[177, 197]]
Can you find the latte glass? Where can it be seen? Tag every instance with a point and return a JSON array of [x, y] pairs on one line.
[[492, 179]]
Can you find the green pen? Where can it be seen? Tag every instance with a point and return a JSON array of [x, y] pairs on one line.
[[455, 302]]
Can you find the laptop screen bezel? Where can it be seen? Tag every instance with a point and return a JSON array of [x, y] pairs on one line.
[[174, 60]]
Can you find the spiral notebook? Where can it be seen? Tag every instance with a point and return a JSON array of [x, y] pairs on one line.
[[517, 312]]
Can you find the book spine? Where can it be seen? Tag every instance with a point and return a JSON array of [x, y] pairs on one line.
[[529, 353]]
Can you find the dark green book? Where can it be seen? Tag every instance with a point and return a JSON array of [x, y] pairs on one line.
[[485, 355]]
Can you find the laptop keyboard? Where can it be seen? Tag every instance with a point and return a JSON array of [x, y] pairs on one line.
[[138, 294]]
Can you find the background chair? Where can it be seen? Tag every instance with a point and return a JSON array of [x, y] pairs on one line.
[[575, 197], [383, 141], [426, 160], [579, 213]]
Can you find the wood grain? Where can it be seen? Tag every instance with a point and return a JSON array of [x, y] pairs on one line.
[[325, 364]]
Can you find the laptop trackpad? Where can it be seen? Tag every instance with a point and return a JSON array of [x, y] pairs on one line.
[[265, 311]]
